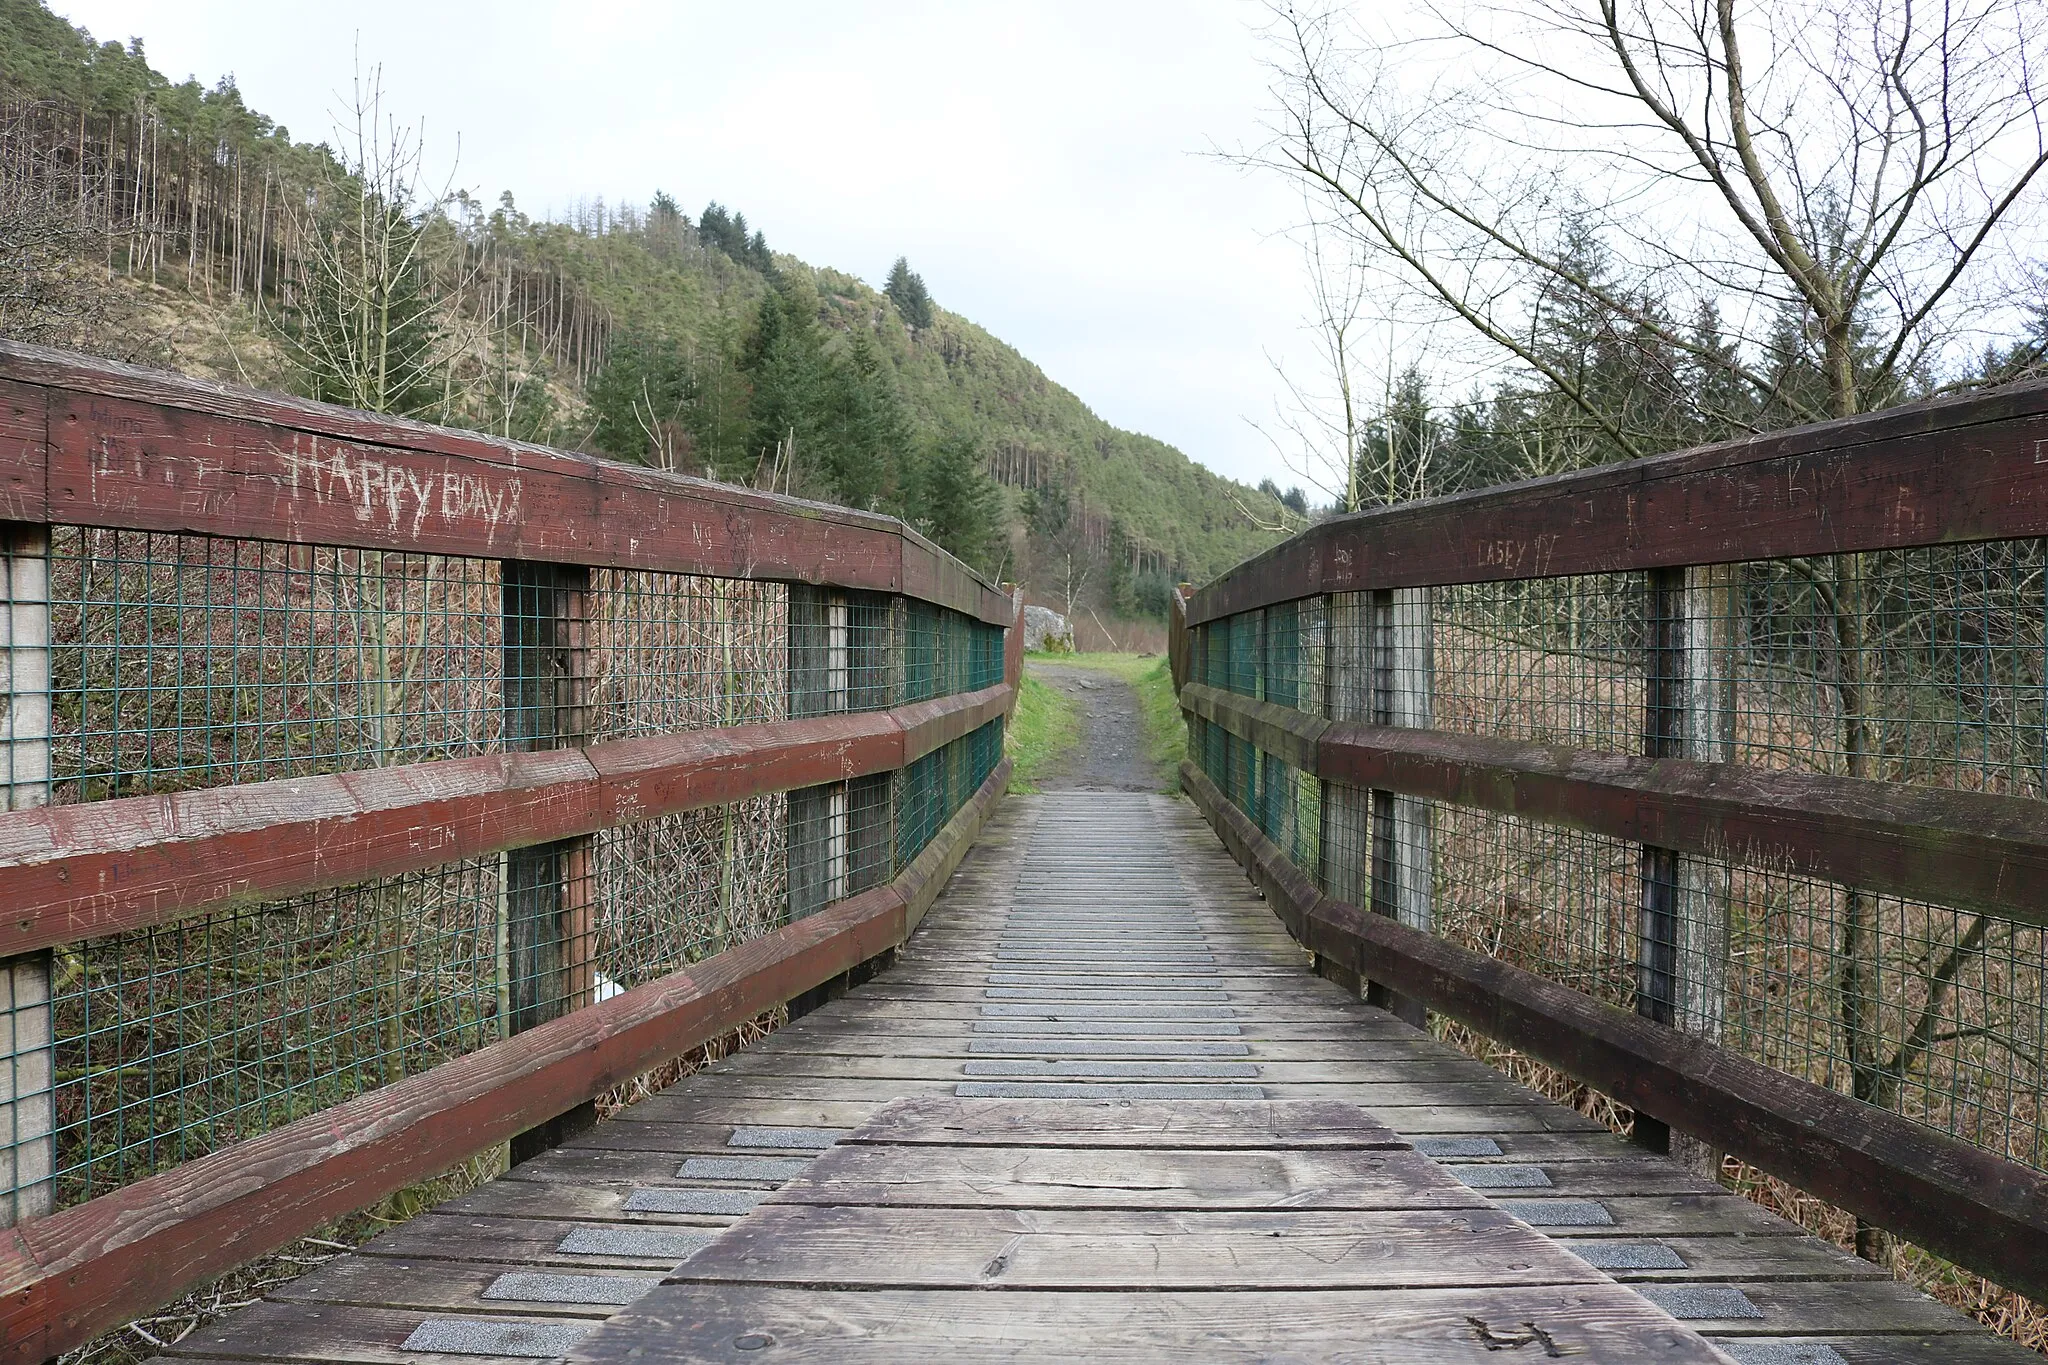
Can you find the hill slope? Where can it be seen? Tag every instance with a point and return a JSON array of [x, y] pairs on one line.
[[172, 198]]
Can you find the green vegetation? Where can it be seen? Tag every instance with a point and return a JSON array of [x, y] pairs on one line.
[[906, 290], [629, 331], [1044, 726], [1151, 677]]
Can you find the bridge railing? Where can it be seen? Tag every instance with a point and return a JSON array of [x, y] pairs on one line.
[[377, 793], [1718, 781]]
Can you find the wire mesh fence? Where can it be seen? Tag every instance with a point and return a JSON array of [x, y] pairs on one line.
[[175, 1041], [183, 661], [931, 788], [672, 652], [1557, 660], [179, 662], [1925, 666]]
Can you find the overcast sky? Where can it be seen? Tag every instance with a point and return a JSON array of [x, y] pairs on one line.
[[1045, 166]]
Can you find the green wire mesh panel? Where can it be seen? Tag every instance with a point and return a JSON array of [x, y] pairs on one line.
[[674, 890], [672, 652], [840, 842], [985, 654], [195, 661], [1243, 653], [1923, 666], [931, 789], [175, 1041], [921, 646], [1557, 660], [842, 652], [920, 805], [1280, 671], [1939, 1014], [1559, 902], [945, 652]]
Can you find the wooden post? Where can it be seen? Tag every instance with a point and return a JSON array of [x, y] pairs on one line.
[[820, 657], [1346, 843], [27, 1029], [1411, 703], [1689, 712], [1180, 659], [1402, 679], [1248, 646], [871, 801], [1663, 731], [1701, 887], [899, 693], [547, 896]]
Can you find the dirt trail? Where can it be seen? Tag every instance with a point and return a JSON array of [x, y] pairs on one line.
[[1110, 756]]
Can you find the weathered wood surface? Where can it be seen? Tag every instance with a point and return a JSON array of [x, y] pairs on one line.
[[1981, 1210], [1967, 849], [69, 873], [1313, 1149], [66, 1277], [91, 442], [1429, 1233], [1945, 472]]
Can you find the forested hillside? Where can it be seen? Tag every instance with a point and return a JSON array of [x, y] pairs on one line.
[[173, 225]]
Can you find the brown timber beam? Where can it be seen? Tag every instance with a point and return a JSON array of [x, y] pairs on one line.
[[76, 872], [1966, 849], [1979, 1210], [90, 442], [1941, 473], [67, 1277]]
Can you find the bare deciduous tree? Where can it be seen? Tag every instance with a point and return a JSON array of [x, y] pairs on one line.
[[363, 321], [55, 288], [1318, 426], [1863, 170], [1324, 428], [1842, 191]]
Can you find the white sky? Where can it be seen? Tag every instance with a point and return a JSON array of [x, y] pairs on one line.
[[1044, 166]]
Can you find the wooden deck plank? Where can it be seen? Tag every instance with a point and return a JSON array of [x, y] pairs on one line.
[[1407, 1327], [1126, 1256], [532, 1241], [1124, 1178], [466, 1287], [1106, 1123], [967, 1248]]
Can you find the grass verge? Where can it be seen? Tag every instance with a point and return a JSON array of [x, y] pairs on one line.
[[1044, 726]]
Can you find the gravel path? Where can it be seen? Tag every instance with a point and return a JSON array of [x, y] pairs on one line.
[[1111, 754]]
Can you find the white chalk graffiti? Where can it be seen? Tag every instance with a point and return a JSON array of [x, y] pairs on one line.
[[399, 497]]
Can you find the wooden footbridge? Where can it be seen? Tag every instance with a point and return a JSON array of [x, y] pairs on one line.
[[384, 797]]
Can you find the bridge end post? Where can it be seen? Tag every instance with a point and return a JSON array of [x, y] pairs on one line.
[[819, 657], [1703, 886]]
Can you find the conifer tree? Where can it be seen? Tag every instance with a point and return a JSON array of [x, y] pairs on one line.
[[955, 503], [644, 400], [906, 290], [665, 226]]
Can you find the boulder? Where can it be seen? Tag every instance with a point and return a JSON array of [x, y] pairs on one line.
[[1046, 631]]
